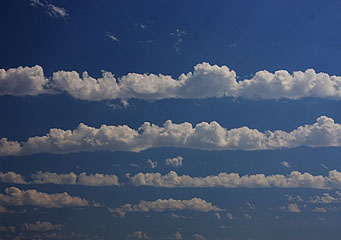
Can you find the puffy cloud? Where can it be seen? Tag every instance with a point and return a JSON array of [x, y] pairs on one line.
[[319, 209], [326, 198], [207, 136], [160, 205], [23, 81], [292, 207], [137, 235], [198, 237], [204, 82], [12, 177], [175, 162], [96, 179], [52, 10], [229, 216], [16, 197], [41, 226], [233, 180]]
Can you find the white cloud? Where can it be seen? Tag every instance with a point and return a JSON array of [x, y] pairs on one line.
[[151, 163], [177, 236], [247, 216], [137, 235], [218, 216], [233, 180], [112, 37], [326, 198], [198, 237], [16, 197], [285, 164], [204, 82], [229, 216], [292, 207], [206, 136], [23, 81], [319, 209], [12, 177], [160, 205], [97, 179], [52, 10], [41, 226], [175, 162]]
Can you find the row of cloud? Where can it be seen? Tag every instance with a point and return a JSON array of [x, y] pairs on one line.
[[206, 81], [206, 136], [172, 180]]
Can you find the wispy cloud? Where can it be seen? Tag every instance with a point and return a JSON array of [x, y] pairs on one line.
[[112, 37], [178, 36], [52, 10]]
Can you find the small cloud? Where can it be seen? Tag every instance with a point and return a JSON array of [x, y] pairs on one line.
[[319, 209], [177, 236], [247, 216], [229, 216], [151, 163], [112, 37], [285, 164], [251, 206], [175, 162], [324, 166], [178, 35], [292, 207], [218, 216], [133, 165], [52, 10], [198, 237], [137, 235]]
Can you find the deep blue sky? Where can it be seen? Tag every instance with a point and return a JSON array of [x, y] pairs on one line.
[[247, 36]]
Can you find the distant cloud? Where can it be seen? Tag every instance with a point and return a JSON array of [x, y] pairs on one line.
[[15, 197], [112, 37], [206, 81], [206, 136], [12, 177], [292, 207], [160, 205], [175, 162], [52, 10], [41, 226], [229, 216], [137, 235], [178, 35], [151, 163], [96, 179], [326, 198], [319, 209], [198, 237], [285, 164], [233, 180], [177, 236]]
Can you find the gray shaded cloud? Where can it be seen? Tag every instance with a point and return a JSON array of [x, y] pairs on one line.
[[41, 226], [15, 197], [160, 205], [12, 177], [175, 162], [206, 136], [137, 235]]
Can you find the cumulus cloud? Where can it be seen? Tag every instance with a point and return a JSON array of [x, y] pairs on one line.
[[12, 177], [52, 10], [41, 226], [292, 207], [206, 136], [137, 235], [198, 237], [233, 180], [15, 197], [23, 81], [206, 81], [229, 216], [97, 179], [161, 205], [327, 198], [175, 162]]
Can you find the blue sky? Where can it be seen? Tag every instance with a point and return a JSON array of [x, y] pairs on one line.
[[170, 120]]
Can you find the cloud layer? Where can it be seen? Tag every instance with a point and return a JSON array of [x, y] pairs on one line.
[[207, 136], [161, 205], [233, 180], [15, 197], [206, 81]]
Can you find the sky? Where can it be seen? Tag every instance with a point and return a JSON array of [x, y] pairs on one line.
[[202, 120]]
